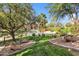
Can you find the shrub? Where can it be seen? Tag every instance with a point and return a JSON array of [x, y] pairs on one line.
[[43, 35], [33, 34]]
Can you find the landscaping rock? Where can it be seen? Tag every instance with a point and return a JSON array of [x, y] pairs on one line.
[[70, 38]]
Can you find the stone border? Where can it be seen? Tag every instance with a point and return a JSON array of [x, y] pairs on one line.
[[29, 45], [64, 46]]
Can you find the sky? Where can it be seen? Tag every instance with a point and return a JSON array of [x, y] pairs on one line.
[[40, 8]]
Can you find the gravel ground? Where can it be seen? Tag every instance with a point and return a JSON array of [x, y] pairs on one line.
[[7, 50]]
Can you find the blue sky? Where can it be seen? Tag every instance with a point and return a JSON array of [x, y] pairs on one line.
[[40, 8]]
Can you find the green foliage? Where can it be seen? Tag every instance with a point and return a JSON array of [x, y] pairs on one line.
[[33, 34], [38, 38], [62, 10], [14, 16], [43, 35], [66, 30], [41, 20], [44, 49]]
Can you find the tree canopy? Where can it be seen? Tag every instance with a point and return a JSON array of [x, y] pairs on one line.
[[61, 10], [14, 16], [41, 20]]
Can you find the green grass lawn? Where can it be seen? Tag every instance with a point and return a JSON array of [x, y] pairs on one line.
[[43, 48]]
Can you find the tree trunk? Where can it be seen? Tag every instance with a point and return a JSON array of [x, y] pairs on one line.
[[13, 36], [4, 40]]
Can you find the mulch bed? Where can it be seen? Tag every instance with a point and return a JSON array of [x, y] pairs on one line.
[[11, 49], [61, 42]]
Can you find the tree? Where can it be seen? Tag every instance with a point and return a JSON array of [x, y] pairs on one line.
[[14, 16], [61, 10], [41, 20], [51, 24]]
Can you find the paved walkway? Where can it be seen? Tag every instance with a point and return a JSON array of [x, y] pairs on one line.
[[6, 38]]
